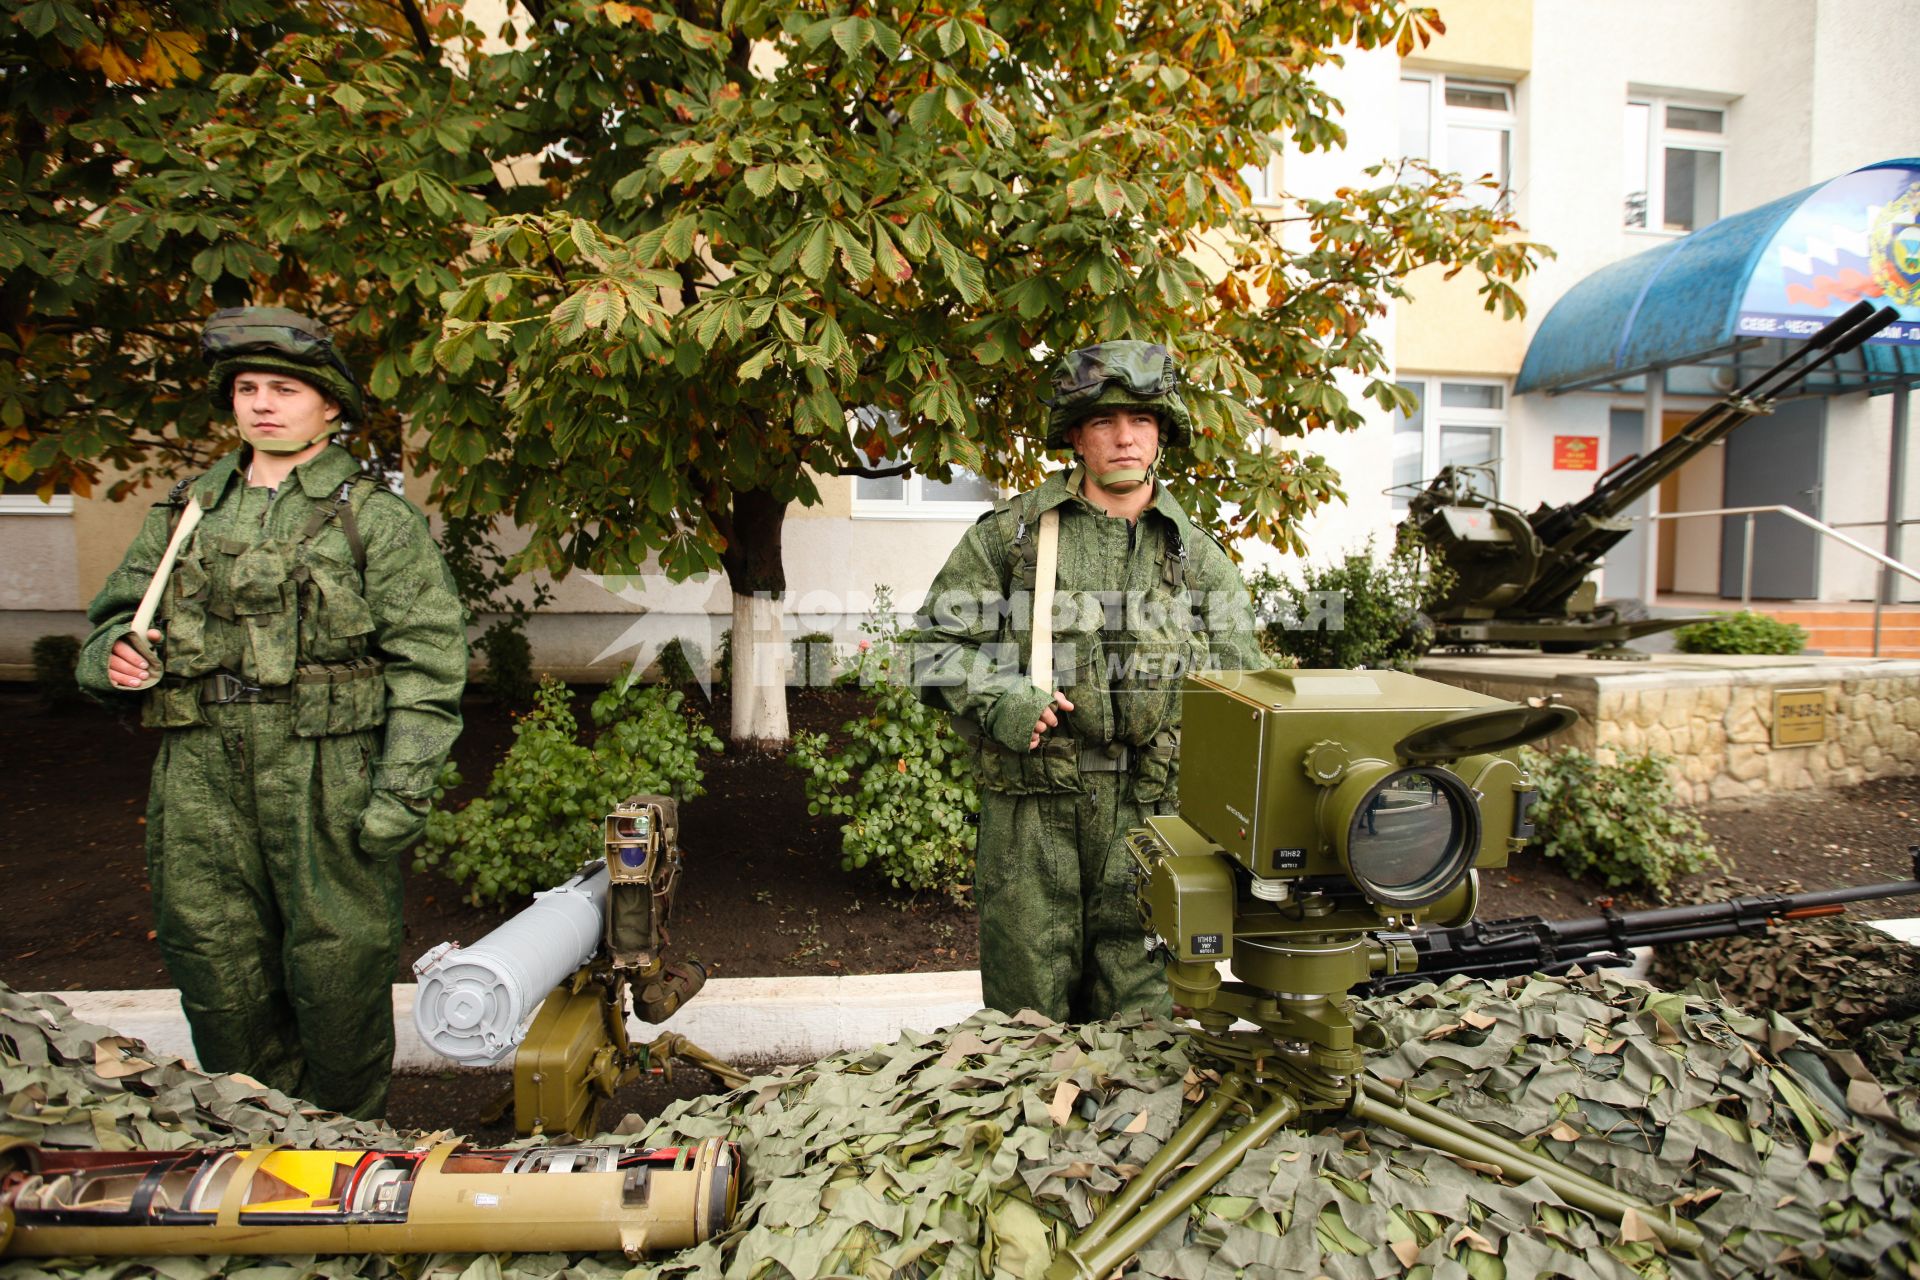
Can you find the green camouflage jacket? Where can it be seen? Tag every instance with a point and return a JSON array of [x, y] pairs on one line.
[[1137, 607], [283, 607]]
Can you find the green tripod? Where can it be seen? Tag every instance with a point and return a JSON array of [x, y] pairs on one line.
[[1301, 1057]]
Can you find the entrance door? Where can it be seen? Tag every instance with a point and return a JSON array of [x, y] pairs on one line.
[[1626, 564], [1775, 460]]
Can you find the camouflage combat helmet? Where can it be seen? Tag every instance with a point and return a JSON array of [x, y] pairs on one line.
[[276, 340], [1140, 375]]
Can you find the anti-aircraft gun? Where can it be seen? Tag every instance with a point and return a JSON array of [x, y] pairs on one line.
[[575, 954], [1331, 829], [1514, 578]]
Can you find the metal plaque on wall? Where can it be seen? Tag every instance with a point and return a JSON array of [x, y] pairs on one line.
[[1799, 717]]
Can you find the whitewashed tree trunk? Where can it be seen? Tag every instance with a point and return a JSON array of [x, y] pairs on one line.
[[759, 670]]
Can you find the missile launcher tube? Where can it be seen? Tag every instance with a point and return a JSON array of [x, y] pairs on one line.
[[447, 1198], [474, 1003]]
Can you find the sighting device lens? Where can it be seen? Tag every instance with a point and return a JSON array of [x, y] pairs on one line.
[[1412, 837]]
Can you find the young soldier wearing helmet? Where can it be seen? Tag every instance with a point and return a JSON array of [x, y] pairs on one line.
[[307, 672], [1067, 768]]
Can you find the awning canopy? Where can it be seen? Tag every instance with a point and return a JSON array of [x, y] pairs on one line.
[[1733, 294]]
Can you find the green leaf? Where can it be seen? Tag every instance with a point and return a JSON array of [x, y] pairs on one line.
[[761, 180], [817, 254], [855, 256]]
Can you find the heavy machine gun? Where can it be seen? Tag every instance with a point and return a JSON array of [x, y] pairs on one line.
[[1529, 944], [1519, 579]]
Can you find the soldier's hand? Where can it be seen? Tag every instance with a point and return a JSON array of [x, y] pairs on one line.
[[127, 668], [1048, 720]]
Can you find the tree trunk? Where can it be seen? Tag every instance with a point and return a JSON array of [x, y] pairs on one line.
[[758, 577]]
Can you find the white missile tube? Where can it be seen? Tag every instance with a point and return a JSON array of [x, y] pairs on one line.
[[474, 1003]]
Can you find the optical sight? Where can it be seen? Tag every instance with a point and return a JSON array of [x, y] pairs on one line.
[[1322, 812]]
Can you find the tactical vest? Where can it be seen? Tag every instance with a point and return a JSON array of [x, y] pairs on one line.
[[1149, 734], [281, 620]]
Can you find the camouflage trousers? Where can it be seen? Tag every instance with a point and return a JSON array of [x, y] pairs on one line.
[[282, 937], [1059, 931]]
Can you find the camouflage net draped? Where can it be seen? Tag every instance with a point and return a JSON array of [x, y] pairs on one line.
[[1849, 984], [969, 1152]]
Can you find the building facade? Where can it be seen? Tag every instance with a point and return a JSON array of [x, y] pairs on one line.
[[1611, 128]]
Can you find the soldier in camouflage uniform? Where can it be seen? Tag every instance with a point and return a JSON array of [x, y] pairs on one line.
[[311, 666], [1143, 597]]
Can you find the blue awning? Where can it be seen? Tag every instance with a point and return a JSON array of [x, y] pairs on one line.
[[1736, 292]]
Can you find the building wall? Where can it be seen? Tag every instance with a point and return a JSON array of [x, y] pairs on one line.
[[1812, 88]]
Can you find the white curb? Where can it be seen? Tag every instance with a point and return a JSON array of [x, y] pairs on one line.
[[745, 1020], [749, 1020]]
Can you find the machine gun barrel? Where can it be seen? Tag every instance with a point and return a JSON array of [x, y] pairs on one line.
[[1528, 944], [1575, 536], [1616, 492]]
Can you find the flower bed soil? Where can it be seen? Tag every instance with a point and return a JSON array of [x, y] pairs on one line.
[[764, 893]]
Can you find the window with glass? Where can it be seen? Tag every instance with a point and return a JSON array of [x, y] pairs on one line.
[[1673, 161], [1453, 424], [1462, 125], [908, 495], [1260, 185]]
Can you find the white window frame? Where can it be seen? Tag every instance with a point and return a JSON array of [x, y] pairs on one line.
[[1440, 116], [1435, 419], [29, 504], [1659, 140], [913, 504], [1260, 185]]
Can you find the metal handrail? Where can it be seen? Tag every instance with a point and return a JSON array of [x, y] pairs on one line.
[[1746, 554]]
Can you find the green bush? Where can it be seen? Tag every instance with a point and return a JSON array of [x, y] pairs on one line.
[[1358, 612], [541, 816], [680, 663], [813, 661], [54, 661], [903, 781], [1618, 822], [509, 675], [1743, 632]]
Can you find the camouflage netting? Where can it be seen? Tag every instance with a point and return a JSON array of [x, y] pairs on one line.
[[1849, 984], [966, 1153]]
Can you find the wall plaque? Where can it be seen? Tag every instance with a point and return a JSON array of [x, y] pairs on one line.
[[1799, 717]]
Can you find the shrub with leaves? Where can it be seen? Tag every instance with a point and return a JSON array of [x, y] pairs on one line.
[[1742, 632], [1360, 611], [54, 660], [540, 818], [509, 674], [903, 781], [1619, 823]]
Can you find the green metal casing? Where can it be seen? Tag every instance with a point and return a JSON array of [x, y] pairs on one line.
[[1248, 738]]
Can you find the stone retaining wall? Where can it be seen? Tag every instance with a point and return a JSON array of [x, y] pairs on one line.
[[1714, 715]]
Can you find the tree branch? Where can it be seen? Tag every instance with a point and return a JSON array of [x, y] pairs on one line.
[[874, 473], [422, 38]]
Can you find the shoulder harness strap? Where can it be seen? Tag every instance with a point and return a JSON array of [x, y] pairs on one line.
[[177, 498], [344, 507]]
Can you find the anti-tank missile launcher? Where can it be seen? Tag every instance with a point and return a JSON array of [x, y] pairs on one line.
[[575, 954]]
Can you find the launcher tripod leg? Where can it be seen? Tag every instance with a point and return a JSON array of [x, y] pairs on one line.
[[1380, 1104], [1131, 1218]]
